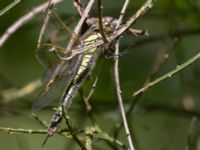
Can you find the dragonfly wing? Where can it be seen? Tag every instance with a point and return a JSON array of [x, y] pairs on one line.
[[47, 75], [55, 38], [58, 74], [54, 92], [57, 87]]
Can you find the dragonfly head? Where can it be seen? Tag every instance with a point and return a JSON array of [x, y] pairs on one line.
[[108, 23]]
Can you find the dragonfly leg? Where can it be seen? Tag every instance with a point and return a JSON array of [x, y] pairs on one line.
[[109, 53]]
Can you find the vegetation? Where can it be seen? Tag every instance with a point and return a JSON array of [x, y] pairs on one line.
[[155, 73]]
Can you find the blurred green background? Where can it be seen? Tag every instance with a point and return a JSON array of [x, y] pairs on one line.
[[166, 117]]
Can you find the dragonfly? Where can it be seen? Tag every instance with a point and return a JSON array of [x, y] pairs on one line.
[[65, 81]]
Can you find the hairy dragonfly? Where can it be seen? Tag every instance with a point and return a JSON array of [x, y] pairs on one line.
[[64, 77]]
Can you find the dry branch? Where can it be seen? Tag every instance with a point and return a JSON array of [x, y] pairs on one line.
[[23, 20]]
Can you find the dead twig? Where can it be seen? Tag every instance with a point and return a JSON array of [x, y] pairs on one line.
[[100, 22], [117, 81], [71, 42], [119, 31], [45, 22], [79, 7], [23, 20], [80, 23], [75, 137]]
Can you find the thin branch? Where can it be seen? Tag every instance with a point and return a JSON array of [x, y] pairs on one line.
[[62, 132], [75, 137], [100, 22], [88, 142], [80, 23], [45, 22], [106, 137], [117, 81], [23, 20], [159, 61], [169, 74], [190, 130], [71, 42], [161, 37], [79, 7], [88, 106], [43, 123], [146, 6], [137, 32], [89, 134], [119, 96], [10, 6], [96, 133], [29, 131], [122, 13], [13, 93]]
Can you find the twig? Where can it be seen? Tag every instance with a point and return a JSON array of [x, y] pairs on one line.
[[137, 32], [75, 137], [117, 82], [161, 37], [88, 142], [93, 87], [10, 6], [29, 131], [10, 94], [190, 129], [80, 23], [71, 42], [160, 59], [79, 7], [43, 123], [100, 135], [45, 22], [87, 98], [89, 133], [23, 20], [94, 131], [169, 74], [106, 137], [146, 6], [122, 13], [100, 22], [62, 132], [119, 96]]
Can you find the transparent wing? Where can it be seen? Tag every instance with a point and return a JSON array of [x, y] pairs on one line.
[[46, 97], [56, 88], [59, 73], [55, 38]]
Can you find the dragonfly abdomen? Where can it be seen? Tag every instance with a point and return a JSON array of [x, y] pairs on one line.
[[82, 73], [87, 63]]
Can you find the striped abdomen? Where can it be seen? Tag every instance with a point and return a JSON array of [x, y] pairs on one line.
[[88, 60]]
